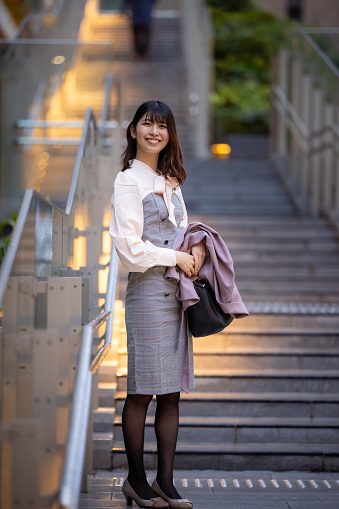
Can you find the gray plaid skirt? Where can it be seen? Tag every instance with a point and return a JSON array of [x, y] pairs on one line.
[[159, 345]]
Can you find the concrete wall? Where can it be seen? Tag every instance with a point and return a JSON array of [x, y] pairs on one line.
[[198, 44], [324, 13], [279, 7]]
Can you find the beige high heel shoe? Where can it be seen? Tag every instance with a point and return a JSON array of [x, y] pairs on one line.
[[156, 502], [174, 503]]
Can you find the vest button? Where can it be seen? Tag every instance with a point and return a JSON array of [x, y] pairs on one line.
[[166, 294], [166, 242]]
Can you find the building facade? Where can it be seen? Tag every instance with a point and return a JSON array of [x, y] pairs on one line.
[[323, 13]]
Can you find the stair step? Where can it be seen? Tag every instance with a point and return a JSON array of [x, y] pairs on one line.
[[274, 231], [234, 210], [297, 381], [275, 322], [197, 430], [327, 246], [102, 447], [264, 221], [103, 418], [292, 338], [285, 275], [287, 259], [256, 456], [240, 404], [107, 371], [245, 380], [260, 358], [106, 393]]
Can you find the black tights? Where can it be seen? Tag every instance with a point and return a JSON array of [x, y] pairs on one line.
[[166, 430]]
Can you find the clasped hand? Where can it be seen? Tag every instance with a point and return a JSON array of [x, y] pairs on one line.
[[192, 261]]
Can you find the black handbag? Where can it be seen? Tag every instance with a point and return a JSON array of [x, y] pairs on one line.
[[206, 316]]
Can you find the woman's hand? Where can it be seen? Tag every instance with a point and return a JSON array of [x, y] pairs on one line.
[[186, 262], [199, 252]]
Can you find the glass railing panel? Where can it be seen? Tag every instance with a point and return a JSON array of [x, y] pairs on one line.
[[24, 262], [52, 83], [43, 246], [317, 60]]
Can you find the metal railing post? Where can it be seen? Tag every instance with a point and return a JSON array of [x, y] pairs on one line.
[[329, 160], [306, 86], [336, 187], [317, 122], [282, 148], [295, 101]]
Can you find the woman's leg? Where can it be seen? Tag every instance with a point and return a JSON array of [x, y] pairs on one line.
[[166, 430], [133, 427]]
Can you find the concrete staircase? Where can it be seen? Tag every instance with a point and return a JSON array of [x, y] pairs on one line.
[[267, 387], [162, 75]]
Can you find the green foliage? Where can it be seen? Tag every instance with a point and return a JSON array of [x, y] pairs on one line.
[[245, 42], [242, 106], [6, 229], [325, 42]]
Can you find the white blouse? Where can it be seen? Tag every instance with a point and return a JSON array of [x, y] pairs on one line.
[[126, 228]]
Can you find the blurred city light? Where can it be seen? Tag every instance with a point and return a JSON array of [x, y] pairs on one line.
[[58, 60], [44, 156], [221, 150]]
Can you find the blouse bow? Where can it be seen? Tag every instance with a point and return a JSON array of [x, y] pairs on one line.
[[163, 186]]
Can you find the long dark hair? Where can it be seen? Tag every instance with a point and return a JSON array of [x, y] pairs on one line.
[[170, 161]]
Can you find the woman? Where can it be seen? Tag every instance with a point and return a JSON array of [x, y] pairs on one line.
[[147, 213]]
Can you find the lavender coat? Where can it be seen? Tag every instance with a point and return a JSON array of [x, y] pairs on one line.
[[217, 269]]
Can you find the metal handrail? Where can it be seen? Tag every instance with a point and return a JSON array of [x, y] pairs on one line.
[[76, 444], [105, 105], [305, 143], [304, 32], [68, 124], [59, 42], [89, 119], [8, 262], [303, 136], [109, 306]]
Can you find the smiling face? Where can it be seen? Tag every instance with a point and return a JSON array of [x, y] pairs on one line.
[[152, 139], [151, 136]]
